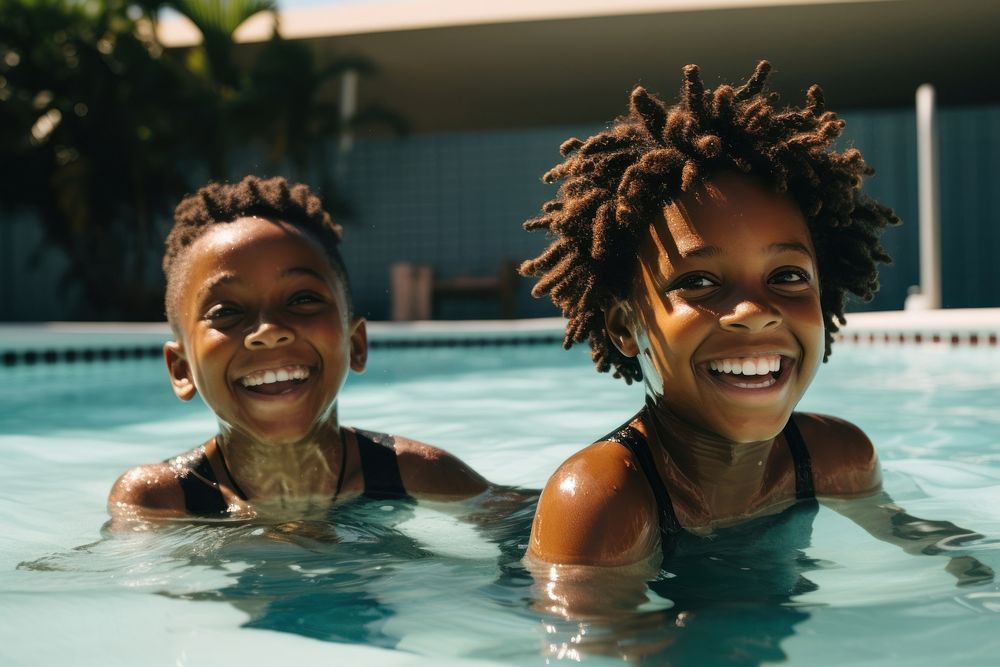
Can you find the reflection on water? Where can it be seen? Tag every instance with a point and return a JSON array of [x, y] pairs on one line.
[[340, 578], [366, 574], [315, 579], [727, 599]]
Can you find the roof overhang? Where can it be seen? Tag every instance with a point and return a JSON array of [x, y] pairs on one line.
[[456, 65]]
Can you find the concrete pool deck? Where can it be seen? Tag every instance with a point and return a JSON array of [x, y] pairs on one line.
[[51, 342]]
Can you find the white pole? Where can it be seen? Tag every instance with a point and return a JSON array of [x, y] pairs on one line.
[[348, 107], [929, 201]]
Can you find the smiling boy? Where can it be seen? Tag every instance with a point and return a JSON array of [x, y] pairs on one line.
[[259, 302]]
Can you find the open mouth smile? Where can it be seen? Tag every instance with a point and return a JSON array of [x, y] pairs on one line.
[[275, 381], [750, 373]]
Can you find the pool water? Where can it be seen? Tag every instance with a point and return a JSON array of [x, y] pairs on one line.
[[400, 583]]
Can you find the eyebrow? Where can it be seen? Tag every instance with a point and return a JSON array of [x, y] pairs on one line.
[[776, 248], [227, 278], [700, 251], [773, 249], [215, 281], [303, 270]]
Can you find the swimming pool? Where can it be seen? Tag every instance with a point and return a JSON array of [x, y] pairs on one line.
[[397, 584]]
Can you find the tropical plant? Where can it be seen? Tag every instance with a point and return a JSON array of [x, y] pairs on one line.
[[101, 128], [213, 64], [92, 123]]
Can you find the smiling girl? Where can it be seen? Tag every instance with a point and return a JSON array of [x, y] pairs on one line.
[[708, 250]]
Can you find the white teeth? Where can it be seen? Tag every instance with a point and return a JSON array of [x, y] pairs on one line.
[[756, 385], [747, 365], [275, 375]]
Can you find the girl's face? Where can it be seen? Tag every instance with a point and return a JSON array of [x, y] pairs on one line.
[[725, 316]]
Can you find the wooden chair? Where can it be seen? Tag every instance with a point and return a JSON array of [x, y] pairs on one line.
[[415, 291]]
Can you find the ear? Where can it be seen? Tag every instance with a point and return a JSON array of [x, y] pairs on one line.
[[179, 370], [359, 344], [618, 323]]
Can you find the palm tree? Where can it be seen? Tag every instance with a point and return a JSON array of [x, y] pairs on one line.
[[100, 128], [92, 138], [280, 101], [213, 63]]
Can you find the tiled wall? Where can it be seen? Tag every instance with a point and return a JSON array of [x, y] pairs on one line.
[[453, 201], [457, 202]]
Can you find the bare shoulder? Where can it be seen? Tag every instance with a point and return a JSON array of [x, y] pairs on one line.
[[430, 471], [844, 461], [152, 489], [596, 509]]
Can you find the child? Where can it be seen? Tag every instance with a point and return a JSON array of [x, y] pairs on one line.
[[708, 250], [259, 302]]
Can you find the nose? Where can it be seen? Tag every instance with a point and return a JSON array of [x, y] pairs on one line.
[[750, 316], [268, 335]]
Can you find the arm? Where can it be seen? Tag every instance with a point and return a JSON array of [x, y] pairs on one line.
[[890, 523], [848, 476], [595, 538], [432, 473], [146, 492], [844, 462], [597, 509]]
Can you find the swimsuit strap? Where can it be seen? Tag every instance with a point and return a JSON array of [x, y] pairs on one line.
[[379, 465], [198, 484], [636, 443], [804, 488]]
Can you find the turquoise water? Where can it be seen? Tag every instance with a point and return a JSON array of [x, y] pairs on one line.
[[394, 583]]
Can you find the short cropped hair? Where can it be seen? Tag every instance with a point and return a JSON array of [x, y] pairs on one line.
[[271, 199], [616, 182]]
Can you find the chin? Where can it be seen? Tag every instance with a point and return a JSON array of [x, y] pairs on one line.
[[753, 429], [280, 434]]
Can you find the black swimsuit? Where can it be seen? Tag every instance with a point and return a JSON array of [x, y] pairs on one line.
[[670, 527], [379, 468]]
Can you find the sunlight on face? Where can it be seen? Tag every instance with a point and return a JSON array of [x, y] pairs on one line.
[[726, 310]]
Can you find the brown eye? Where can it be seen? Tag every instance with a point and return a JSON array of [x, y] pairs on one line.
[[695, 281], [306, 301], [791, 278], [305, 297], [223, 316], [222, 312]]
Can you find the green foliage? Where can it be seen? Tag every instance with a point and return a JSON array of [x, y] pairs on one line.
[[101, 129], [217, 20], [92, 122]]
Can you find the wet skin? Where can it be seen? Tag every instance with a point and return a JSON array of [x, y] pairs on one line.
[[262, 296], [266, 336], [727, 273], [727, 276]]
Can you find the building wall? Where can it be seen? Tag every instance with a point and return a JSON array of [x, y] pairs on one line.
[[453, 201], [457, 202], [31, 289]]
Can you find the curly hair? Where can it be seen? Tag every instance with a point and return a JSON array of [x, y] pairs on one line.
[[616, 182], [222, 203]]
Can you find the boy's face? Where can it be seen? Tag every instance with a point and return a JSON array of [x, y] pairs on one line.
[[265, 333], [727, 281]]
